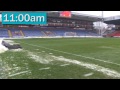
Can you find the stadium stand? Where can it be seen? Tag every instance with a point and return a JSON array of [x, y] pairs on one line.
[[115, 32], [3, 32], [33, 33], [18, 32], [74, 25]]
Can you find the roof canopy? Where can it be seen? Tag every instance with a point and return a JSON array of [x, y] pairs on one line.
[[112, 20]]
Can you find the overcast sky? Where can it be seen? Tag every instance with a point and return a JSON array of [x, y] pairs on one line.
[[99, 13]]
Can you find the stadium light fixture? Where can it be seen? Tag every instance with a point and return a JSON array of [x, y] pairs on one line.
[[102, 21]]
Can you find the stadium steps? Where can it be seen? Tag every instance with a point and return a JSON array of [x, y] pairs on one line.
[[22, 33], [10, 34], [49, 33], [54, 34], [43, 33]]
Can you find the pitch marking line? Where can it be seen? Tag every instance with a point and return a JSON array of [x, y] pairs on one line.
[[18, 73], [73, 54], [105, 71]]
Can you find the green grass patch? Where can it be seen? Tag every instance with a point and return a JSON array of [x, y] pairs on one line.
[[20, 65]]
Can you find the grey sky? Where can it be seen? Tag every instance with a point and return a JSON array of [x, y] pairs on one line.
[[99, 13]]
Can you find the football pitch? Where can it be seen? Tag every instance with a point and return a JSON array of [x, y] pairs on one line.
[[62, 58]]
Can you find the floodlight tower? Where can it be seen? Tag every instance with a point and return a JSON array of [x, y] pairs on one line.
[[102, 21], [102, 16]]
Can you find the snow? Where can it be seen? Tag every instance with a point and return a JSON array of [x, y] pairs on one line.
[[2, 48]]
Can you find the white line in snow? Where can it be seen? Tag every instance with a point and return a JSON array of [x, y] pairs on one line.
[[18, 73], [74, 54]]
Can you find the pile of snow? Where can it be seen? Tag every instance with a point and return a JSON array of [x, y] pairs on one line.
[[2, 48], [10, 42]]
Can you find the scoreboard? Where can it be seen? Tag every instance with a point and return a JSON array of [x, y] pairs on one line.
[[66, 14]]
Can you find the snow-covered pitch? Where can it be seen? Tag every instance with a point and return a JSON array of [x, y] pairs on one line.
[[2, 48]]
